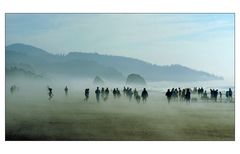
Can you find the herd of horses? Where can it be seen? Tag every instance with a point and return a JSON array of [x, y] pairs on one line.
[[171, 95]]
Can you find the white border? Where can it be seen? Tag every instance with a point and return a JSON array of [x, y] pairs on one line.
[[120, 6]]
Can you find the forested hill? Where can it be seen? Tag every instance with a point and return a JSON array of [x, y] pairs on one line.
[[78, 64]]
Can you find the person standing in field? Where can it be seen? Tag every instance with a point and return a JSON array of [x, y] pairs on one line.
[[106, 94], [86, 94], [188, 95], [204, 96], [66, 90], [118, 94], [144, 95], [169, 95], [114, 93], [102, 93], [13, 89], [229, 94], [220, 96], [124, 91], [50, 93], [97, 92], [129, 94]]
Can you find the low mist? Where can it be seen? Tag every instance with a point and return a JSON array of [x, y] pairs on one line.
[[30, 115]]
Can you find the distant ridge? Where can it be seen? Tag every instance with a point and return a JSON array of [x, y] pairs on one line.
[[78, 64]]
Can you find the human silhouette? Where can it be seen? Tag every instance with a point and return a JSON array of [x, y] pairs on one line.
[[66, 90], [188, 95], [118, 94], [220, 96], [144, 95], [106, 94], [229, 94], [129, 93], [50, 93], [174, 93], [138, 98], [204, 95], [179, 92], [183, 94], [114, 93], [169, 95], [102, 93], [136, 95], [86, 94], [124, 91], [13, 89], [135, 92], [215, 94], [97, 92]]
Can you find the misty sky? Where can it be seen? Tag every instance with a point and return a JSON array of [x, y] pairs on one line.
[[199, 41]]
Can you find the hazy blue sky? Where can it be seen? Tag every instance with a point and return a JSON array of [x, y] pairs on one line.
[[200, 41]]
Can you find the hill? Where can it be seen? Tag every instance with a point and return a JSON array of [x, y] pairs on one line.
[[79, 64]]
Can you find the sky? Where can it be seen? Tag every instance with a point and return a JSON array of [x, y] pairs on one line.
[[200, 41]]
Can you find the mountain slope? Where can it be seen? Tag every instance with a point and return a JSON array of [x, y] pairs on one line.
[[79, 64]]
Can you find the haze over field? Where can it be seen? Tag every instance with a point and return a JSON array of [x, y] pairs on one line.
[[52, 59], [31, 116]]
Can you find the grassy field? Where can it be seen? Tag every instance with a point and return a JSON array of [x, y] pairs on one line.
[[120, 120]]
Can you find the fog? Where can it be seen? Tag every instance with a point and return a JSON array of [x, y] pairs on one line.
[[30, 115]]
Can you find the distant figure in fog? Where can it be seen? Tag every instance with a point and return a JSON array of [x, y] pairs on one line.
[[124, 91], [66, 90], [183, 94], [13, 88], [174, 93], [97, 92], [144, 95], [138, 98], [114, 93], [204, 96], [102, 93], [220, 96], [214, 94], [86, 95], [200, 91], [136, 95], [229, 94], [179, 92], [169, 95], [50, 93], [188, 95], [118, 93], [135, 92], [106, 94], [129, 93]]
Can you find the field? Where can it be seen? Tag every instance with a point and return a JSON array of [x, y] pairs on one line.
[[69, 118]]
